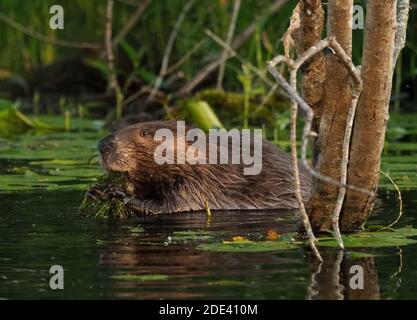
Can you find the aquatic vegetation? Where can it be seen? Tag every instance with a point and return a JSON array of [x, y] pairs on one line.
[[198, 236], [140, 278], [248, 246], [375, 239], [56, 161], [136, 230], [104, 207], [202, 114]]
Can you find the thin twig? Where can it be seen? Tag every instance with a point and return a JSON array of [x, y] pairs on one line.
[[187, 56], [344, 164], [113, 83], [131, 22], [141, 7], [169, 47], [129, 3], [400, 200], [265, 99], [44, 38], [232, 53], [229, 37], [143, 91], [357, 90], [297, 185], [236, 44]]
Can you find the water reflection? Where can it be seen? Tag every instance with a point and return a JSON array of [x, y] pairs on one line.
[[193, 272], [335, 278], [41, 229]]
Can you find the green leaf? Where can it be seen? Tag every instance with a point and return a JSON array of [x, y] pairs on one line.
[[140, 278], [248, 246], [203, 115], [136, 230]]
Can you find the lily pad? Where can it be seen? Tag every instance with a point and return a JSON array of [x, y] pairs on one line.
[[32, 181], [248, 246], [140, 278], [395, 238], [198, 236], [136, 230]]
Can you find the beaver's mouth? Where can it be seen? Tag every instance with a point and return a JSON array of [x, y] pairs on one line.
[[103, 163], [107, 148], [110, 164]]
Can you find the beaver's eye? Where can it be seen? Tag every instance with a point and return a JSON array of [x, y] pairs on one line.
[[144, 132]]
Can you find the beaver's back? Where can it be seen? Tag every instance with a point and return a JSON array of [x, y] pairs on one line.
[[226, 187]]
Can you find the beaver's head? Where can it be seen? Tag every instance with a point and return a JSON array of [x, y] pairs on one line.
[[131, 149]]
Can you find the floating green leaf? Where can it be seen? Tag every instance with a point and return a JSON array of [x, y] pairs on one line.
[[198, 236], [136, 230], [395, 238], [248, 246], [141, 278]]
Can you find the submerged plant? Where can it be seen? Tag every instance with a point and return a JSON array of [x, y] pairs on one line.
[[102, 206]]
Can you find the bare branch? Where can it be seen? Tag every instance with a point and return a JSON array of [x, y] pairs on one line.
[[400, 200], [229, 37], [232, 53], [236, 44], [141, 7], [345, 160], [187, 56], [113, 83], [304, 216], [169, 47], [131, 22], [44, 38]]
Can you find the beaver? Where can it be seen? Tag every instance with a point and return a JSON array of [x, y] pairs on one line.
[[154, 188]]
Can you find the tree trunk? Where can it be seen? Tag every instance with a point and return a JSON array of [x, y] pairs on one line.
[[372, 113], [314, 72], [337, 102]]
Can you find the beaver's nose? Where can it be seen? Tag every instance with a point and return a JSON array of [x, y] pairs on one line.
[[107, 144]]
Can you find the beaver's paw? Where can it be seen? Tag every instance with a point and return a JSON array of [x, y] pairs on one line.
[[113, 191], [95, 192]]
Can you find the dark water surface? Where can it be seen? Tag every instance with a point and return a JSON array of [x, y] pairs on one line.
[[40, 227]]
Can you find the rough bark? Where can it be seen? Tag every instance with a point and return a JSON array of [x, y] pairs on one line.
[[372, 114], [313, 73], [337, 102]]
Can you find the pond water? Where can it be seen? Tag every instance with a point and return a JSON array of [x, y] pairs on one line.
[[42, 180]]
